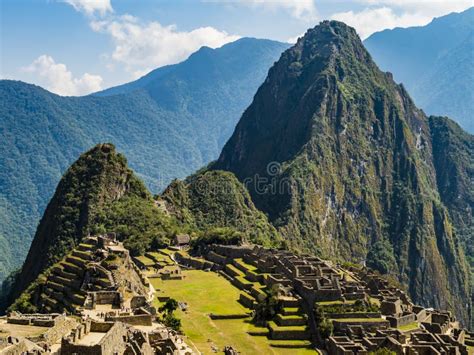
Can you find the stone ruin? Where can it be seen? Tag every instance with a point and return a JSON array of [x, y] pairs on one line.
[[367, 311]]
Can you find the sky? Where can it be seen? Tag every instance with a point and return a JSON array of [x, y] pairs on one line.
[[76, 47]]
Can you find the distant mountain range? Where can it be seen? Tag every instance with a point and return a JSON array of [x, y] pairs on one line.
[[169, 123], [434, 62]]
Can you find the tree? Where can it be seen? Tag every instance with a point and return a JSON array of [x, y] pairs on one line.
[[267, 307], [168, 318], [170, 306], [324, 325]]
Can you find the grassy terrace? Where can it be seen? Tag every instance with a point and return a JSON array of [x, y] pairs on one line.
[[332, 303], [167, 252], [161, 258], [358, 320], [275, 326], [205, 293], [408, 327], [247, 266], [145, 261]]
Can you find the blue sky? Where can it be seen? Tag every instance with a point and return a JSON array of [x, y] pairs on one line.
[[74, 47]]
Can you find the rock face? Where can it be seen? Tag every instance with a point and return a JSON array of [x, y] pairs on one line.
[[342, 161], [99, 177]]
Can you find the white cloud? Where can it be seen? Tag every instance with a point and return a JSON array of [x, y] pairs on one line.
[[431, 7], [143, 47], [91, 6], [58, 79], [371, 20], [294, 39], [383, 14], [301, 9]]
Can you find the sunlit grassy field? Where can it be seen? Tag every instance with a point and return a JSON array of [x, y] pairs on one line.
[[207, 292]]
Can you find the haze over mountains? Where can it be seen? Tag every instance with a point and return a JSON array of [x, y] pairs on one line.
[[169, 123], [434, 63]]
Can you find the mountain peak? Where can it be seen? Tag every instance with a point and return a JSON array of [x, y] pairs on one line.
[[328, 60], [327, 38], [98, 177], [351, 153]]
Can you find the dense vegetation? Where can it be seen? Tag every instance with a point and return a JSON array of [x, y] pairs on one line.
[[356, 177], [169, 123], [212, 199], [100, 194], [434, 62]]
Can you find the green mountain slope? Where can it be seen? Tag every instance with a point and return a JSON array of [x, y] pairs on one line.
[[217, 199], [453, 156], [434, 62], [347, 166], [169, 123]]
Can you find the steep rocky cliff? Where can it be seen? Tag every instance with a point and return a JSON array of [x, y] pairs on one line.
[[340, 158]]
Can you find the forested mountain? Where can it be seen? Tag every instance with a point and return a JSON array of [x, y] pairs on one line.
[[352, 168], [168, 123], [434, 62]]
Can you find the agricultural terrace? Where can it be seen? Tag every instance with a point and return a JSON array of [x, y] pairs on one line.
[[206, 293]]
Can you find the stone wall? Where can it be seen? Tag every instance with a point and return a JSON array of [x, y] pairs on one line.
[[396, 322], [106, 297], [100, 327], [141, 319], [340, 325], [216, 258], [231, 251], [63, 326], [114, 342], [354, 315]]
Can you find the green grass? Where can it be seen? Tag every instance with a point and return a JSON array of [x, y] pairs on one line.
[[205, 293], [167, 252], [275, 326], [409, 326], [375, 301], [159, 257], [330, 303], [145, 261], [290, 317], [361, 320], [247, 266], [235, 270]]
